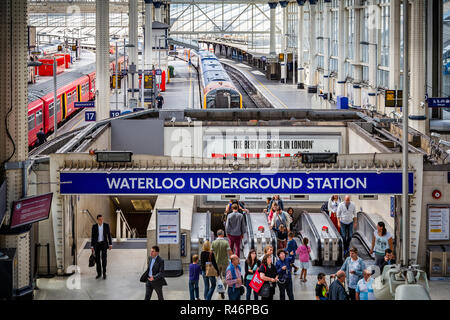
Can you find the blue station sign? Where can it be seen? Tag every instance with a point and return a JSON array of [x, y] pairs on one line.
[[86, 104], [133, 183], [439, 102]]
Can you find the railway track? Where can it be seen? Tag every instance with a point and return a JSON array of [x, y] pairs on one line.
[[250, 97]]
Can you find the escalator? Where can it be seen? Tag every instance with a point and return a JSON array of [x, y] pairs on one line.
[[255, 239]]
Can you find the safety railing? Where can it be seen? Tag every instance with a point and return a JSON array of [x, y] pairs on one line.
[[123, 229]]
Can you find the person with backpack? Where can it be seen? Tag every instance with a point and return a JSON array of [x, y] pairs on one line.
[[268, 274], [283, 267], [210, 270], [353, 267], [303, 255], [251, 265], [281, 218], [233, 279]]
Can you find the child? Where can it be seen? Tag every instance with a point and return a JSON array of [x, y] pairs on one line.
[[303, 255], [281, 236], [292, 249], [194, 273], [321, 287]]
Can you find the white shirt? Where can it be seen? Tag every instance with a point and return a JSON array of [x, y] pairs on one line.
[[100, 232], [333, 206], [346, 215]]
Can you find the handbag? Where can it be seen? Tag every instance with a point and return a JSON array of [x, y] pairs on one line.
[[265, 290], [91, 260], [144, 276], [241, 289], [210, 270]]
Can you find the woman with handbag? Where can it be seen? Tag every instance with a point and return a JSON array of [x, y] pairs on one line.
[[210, 270], [268, 274], [251, 265]]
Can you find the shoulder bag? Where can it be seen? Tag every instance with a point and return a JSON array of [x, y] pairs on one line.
[[210, 270]]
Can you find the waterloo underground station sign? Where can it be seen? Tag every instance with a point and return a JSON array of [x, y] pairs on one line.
[[203, 183]]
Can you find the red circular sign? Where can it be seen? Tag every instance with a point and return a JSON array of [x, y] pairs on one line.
[[437, 194]]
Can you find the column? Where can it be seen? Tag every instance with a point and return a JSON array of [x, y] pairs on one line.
[[326, 48], [14, 106], [342, 34], [273, 49], [357, 68], [394, 44], [158, 16], [312, 87], [373, 51], [417, 51], [133, 39], [284, 42], [300, 69], [148, 42], [102, 104]]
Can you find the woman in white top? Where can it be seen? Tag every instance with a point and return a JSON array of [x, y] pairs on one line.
[[333, 205], [381, 241]]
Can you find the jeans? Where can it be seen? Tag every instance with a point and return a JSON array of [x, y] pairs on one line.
[[209, 289], [379, 259], [249, 291], [286, 287], [193, 289], [346, 233], [233, 294], [235, 244]]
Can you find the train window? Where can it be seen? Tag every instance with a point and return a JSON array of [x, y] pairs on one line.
[[235, 100], [69, 98], [58, 105], [31, 122], [74, 95], [38, 118], [50, 109]]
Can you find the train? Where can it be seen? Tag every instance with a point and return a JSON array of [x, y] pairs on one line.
[[218, 89], [73, 86]]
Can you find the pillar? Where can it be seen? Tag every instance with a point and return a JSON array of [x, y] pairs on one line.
[[284, 42], [357, 67], [102, 104], [300, 69], [158, 15], [374, 15], [326, 47], [394, 44], [312, 87], [417, 52], [273, 49], [342, 34], [133, 39], [148, 41], [14, 106]]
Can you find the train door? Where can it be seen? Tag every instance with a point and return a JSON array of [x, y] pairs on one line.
[[223, 99], [64, 106], [79, 92]]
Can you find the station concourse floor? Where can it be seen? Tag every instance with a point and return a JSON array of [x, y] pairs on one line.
[[281, 95], [125, 267]]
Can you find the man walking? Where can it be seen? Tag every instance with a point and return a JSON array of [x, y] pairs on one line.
[[155, 273], [337, 289], [281, 218], [41, 138], [100, 242], [233, 278], [346, 214], [222, 251], [159, 101], [235, 228]]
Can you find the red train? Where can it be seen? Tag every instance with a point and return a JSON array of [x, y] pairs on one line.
[[73, 86]]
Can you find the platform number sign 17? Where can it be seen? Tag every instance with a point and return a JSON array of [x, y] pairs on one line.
[[89, 116], [114, 113]]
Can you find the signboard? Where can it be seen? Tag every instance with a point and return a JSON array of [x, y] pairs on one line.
[[258, 145], [148, 81], [439, 102], [438, 222], [86, 104], [158, 72], [114, 113], [131, 183], [167, 226], [393, 98], [30, 210], [90, 116]]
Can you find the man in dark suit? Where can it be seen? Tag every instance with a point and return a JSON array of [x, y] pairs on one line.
[[101, 241], [155, 273]]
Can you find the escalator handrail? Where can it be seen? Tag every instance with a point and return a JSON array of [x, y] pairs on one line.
[[251, 237]]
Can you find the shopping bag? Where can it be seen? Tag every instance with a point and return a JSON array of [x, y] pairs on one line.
[[256, 282], [91, 260], [220, 287]]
